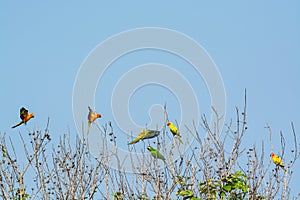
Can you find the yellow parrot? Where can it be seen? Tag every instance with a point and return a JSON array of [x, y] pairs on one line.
[[25, 117], [92, 117], [174, 131], [277, 161]]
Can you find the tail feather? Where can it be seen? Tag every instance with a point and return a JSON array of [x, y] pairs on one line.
[[179, 138], [21, 122], [89, 126], [134, 141], [283, 167], [166, 163]]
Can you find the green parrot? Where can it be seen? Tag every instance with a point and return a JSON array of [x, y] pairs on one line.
[[156, 154], [144, 134]]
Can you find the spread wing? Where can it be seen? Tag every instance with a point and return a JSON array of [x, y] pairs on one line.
[[150, 134], [90, 114], [23, 113]]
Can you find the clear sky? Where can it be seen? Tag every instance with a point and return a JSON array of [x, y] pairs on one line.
[[254, 44]]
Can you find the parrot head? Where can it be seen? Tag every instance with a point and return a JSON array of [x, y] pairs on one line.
[[150, 148], [169, 123], [98, 115], [272, 154], [31, 115]]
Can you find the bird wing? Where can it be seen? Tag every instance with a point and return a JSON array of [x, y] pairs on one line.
[[150, 134], [161, 157], [174, 130], [23, 113], [90, 115], [277, 160]]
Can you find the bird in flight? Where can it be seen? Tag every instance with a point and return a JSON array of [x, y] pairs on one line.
[[145, 134], [25, 117], [174, 131], [92, 116]]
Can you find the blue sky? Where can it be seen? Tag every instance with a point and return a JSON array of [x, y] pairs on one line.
[[255, 45]]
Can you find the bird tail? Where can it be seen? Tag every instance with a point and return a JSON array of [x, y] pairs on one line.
[[89, 126], [21, 122], [179, 138], [283, 167], [134, 141], [165, 162]]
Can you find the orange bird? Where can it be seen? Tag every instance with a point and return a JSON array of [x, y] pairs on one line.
[[25, 117], [92, 117]]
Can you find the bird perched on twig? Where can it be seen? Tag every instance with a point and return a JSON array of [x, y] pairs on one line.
[[156, 154], [174, 131], [277, 161], [145, 134], [25, 117], [92, 116]]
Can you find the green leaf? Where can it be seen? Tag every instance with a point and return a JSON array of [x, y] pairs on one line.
[[222, 194], [227, 188], [244, 188], [185, 193]]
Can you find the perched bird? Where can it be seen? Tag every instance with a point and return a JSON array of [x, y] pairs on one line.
[[174, 131], [25, 117], [145, 134], [277, 161], [92, 117], [156, 154]]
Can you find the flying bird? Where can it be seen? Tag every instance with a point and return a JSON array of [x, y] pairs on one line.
[[156, 154], [25, 117], [174, 131], [145, 134], [277, 161], [92, 116]]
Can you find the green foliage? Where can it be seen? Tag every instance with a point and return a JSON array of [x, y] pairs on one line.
[[143, 197], [117, 196], [185, 188], [20, 194], [233, 186]]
